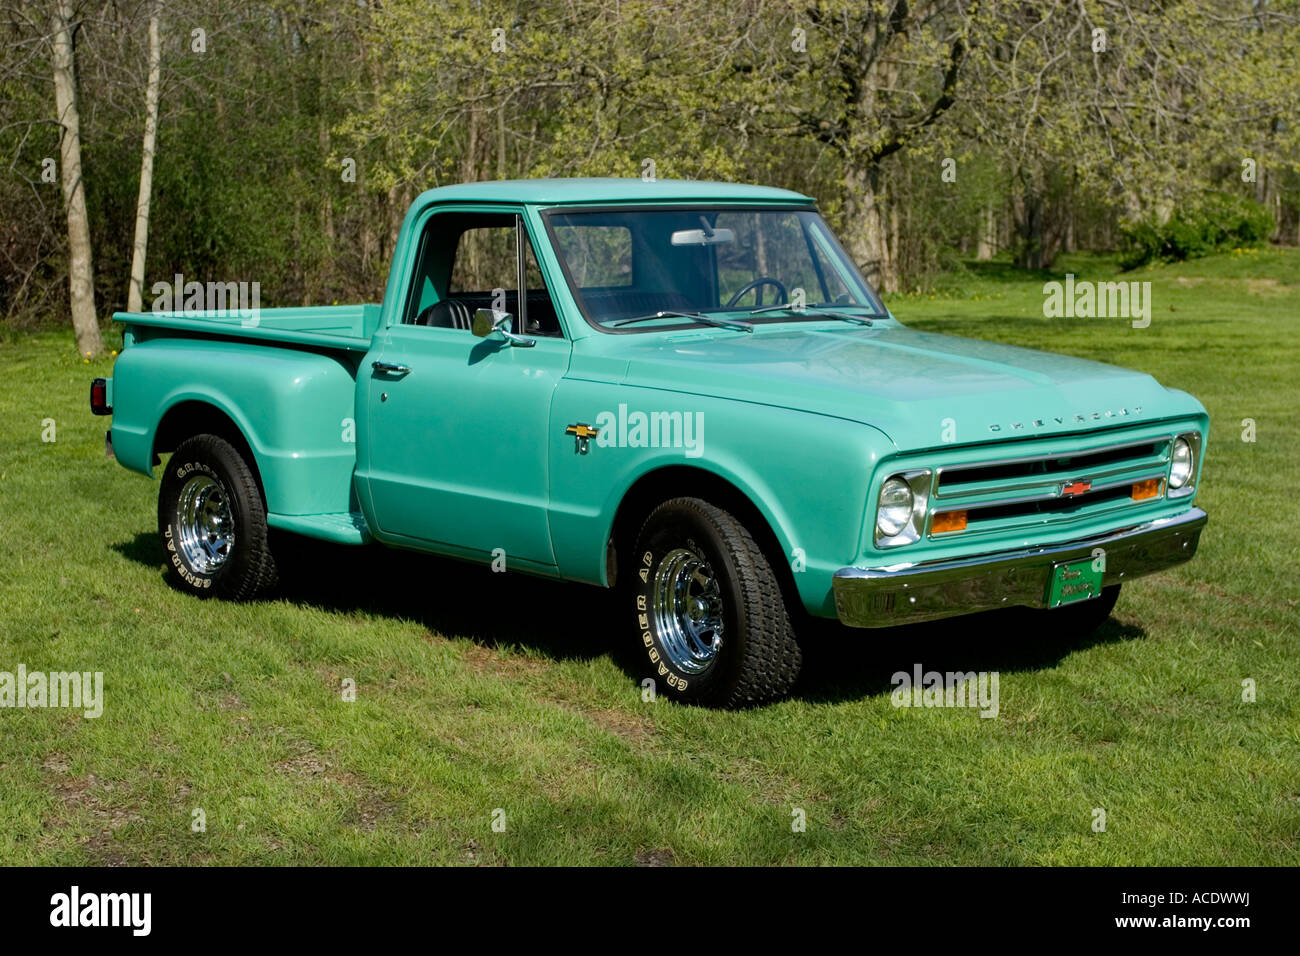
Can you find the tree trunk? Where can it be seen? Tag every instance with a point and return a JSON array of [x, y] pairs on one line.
[[894, 249], [81, 277], [469, 162], [327, 205], [135, 294], [864, 220], [326, 277], [1039, 224], [988, 239], [1029, 221], [501, 142], [399, 199]]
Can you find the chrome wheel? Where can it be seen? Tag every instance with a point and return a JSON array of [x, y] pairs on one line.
[[688, 610], [206, 527]]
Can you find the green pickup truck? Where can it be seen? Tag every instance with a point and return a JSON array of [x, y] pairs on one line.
[[682, 390]]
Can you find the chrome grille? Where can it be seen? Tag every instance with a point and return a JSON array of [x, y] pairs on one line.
[[1003, 494]]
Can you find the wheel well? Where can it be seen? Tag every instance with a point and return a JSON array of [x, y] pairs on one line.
[[682, 481], [187, 419]]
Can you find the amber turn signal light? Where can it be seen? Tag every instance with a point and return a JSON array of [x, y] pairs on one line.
[[946, 521], [1142, 490]]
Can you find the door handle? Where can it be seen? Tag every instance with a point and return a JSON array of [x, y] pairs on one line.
[[390, 368]]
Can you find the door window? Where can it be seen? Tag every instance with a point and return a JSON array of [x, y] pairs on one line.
[[471, 261]]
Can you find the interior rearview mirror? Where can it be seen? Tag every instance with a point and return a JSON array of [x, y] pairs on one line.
[[698, 237]]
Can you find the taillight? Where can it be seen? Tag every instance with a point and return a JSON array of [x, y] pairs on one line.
[[99, 397]]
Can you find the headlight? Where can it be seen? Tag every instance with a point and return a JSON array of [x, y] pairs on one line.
[[1181, 463], [1184, 459], [900, 508], [895, 508]]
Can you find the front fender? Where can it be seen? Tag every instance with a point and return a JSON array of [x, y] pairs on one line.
[[767, 453]]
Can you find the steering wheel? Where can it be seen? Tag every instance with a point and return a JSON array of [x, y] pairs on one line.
[[758, 284]]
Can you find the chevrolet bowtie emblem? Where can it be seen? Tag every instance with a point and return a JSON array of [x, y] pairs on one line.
[[1072, 489], [582, 435]]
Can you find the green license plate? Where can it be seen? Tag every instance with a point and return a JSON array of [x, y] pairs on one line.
[[1073, 581]]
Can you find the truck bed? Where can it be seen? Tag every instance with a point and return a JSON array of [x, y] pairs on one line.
[[284, 379], [347, 327]]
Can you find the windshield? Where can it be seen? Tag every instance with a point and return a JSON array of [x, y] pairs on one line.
[[625, 265]]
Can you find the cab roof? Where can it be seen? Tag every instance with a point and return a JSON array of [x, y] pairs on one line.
[[608, 190]]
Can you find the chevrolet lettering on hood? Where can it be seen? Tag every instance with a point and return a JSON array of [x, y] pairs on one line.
[[1076, 419]]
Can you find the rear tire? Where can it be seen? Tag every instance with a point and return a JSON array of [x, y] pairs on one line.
[[212, 522], [708, 609]]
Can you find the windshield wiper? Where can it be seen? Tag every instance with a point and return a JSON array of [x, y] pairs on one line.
[[816, 309], [697, 316]]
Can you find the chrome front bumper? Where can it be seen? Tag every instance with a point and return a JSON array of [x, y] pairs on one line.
[[904, 594]]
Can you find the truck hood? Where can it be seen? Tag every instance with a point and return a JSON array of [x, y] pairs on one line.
[[905, 383]]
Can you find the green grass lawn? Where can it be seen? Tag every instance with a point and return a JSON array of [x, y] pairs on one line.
[[469, 702]]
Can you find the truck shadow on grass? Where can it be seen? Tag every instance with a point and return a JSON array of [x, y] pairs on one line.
[[566, 621], [844, 664], [454, 599]]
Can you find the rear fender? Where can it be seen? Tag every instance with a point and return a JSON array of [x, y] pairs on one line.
[[293, 409]]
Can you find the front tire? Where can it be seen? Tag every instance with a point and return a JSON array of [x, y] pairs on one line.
[[709, 612], [212, 522]]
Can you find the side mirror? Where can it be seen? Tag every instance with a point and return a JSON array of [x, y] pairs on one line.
[[487, 321]]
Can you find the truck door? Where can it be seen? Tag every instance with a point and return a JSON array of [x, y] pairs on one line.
[[455, 452]]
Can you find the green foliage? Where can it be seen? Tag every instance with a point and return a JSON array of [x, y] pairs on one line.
[[33, 267], [834, 98], [1200, 226]]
